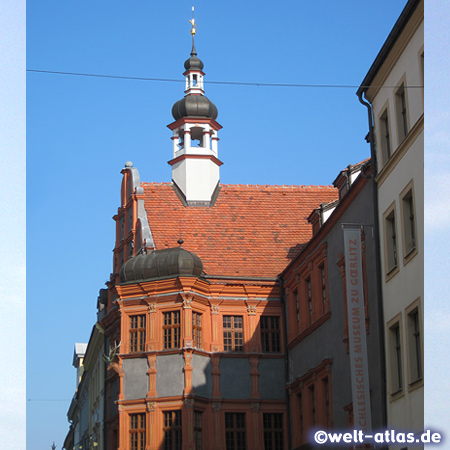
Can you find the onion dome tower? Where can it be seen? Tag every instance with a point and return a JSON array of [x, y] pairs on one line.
[[195, 163]]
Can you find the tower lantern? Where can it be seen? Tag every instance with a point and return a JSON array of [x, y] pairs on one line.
[[195, 163]]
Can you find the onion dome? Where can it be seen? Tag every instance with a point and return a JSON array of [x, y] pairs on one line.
[[169, 262], [193, 63], [194, 106]]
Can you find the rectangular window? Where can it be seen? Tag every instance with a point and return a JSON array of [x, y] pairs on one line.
[[391, 241], [198, 430], [385, 137], [409, 227], [395, 354], [326, 388], [172, 430], [422, 70], [233, 334], [137, 431], [312, 399], [415, 346], [270, 334], [309, 296], [300, 409], [171, 329], [137, 333], [324, 288], [235, 431], [402, 113], [297, 306], [273, 431], [197, 329]]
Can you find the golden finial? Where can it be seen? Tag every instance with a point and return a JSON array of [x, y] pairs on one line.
[[192, 22]]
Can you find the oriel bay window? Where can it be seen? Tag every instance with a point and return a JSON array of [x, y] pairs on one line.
[[171, 329], [233, 334], [137, 333]]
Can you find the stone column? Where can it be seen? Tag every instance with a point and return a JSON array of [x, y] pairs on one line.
[[151, 443]]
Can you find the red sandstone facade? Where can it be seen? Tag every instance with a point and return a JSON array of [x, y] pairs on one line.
[[231, 317]]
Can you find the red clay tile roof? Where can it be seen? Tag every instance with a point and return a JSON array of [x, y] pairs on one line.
[[251, 231]]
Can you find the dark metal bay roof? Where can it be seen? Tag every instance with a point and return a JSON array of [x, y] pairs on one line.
[[168, 262]]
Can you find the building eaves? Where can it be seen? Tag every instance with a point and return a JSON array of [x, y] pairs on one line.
[[341, 207], [388, 44]]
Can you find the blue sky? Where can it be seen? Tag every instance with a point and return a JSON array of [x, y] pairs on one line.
[[81, 130]]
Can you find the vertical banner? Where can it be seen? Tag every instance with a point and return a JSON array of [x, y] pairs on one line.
[[357, 329]]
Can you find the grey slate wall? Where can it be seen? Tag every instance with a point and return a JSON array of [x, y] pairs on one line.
[[169, 375], [201, 376], [135, 383], [235, 379]]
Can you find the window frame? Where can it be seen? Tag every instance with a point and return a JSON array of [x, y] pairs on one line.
[[174, 431], [198, 429], [421, 56], [172, 330], [138, 434], [197, 329], [323, 286], [238, 433], [414, 349], [395, 351], [409, 224], [234, 334], [309, 298], [385, 135], [391, 254], [272, 333], [273, 434], [137, 334], [401, 110]]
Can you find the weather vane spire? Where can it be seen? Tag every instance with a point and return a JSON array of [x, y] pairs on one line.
[[193, 31], [194, 25]]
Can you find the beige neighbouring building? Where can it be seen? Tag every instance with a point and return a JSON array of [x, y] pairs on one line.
[[394, 89]]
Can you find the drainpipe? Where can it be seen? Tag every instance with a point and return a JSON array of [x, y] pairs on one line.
[[373, 156], [286, 362]]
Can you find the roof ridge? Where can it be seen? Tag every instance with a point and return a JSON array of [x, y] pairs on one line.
[[278, 186], [258, 186], [157, 183]]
